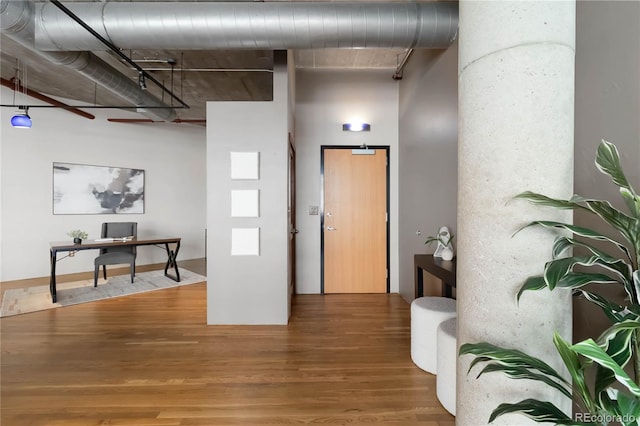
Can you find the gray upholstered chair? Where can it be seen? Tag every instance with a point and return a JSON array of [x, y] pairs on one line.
[[116, 255]]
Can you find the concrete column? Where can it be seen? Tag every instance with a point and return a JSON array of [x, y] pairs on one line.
[[516, 102]]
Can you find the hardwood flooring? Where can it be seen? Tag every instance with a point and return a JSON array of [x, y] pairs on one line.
[[150, 359]]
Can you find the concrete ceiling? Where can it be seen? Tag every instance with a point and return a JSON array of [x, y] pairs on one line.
[[198, 76]]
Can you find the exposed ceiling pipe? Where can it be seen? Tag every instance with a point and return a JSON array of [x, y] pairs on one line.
[[249, 25], [11, 84], [17, 21], [142, 74]]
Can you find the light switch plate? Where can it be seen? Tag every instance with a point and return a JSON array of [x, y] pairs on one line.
[[313, 210]]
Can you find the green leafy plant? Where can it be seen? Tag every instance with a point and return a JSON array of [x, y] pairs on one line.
[[77, 233], [609, 394], [443, 237]]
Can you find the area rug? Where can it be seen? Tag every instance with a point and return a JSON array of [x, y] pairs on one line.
[[31, 299]]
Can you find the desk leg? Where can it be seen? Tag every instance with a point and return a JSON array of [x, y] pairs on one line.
[[171, 262], [52, 279], [419, 282]]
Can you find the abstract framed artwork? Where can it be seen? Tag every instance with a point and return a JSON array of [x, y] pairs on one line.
[[87, 189]]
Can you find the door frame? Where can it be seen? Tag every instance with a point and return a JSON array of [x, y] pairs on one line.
[[291, 199], [387, 150]]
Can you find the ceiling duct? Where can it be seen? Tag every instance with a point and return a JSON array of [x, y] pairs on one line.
[[248, 25], [17, 20]]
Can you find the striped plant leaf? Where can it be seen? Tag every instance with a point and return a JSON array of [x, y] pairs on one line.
[[579, 231], [631, 200], [580, 279], [615, 312], [628, 407], [628, 227], [543, 200], [590, 349], [625, 327], [539, 411], [516, 372], [603, 380], [563, 243], [608, 162], [509, 357], [576, 369], [617, 343], [556, 269], [634, 308], [572, 280], [532, 283]]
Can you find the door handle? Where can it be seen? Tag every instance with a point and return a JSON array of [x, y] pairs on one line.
[[330, 228], [294, 231]]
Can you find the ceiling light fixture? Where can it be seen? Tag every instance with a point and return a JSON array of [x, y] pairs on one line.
[[356, 127], [22, 121]]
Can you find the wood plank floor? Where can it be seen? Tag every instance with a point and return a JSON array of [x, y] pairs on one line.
[[150, 359]]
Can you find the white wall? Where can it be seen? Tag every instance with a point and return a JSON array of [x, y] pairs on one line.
[[325, 100], [172, 155], [607, 91], [248, 289], [428, 154], [607, 107]]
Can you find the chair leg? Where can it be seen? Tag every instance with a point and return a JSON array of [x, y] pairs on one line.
[[96, 271], [104, 271]]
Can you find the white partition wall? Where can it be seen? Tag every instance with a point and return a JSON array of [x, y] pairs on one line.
[[247, 243]]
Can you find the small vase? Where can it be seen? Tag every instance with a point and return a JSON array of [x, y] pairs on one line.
[[77, 240], [447, 253]]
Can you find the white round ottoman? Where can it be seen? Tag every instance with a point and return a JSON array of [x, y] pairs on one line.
[[426, 315], [447, 357]]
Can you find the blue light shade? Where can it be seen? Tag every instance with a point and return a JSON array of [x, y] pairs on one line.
[[356, 127], [21, 121]]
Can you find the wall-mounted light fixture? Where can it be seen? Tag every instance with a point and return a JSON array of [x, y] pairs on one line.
[[356, 127], [22, 120]]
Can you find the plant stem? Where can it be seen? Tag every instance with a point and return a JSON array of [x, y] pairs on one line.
[[636, 360]]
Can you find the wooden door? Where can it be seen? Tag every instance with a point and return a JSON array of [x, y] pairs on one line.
[[355, 232]]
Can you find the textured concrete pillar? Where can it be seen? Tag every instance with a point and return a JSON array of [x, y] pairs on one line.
[[516, 102]]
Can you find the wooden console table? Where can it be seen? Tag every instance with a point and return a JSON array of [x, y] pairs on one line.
[[443, 269]]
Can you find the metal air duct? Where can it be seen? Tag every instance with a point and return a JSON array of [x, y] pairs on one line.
[[249, 25], [17, 19]]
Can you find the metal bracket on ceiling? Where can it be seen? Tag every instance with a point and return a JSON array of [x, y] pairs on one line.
[[400, 69]]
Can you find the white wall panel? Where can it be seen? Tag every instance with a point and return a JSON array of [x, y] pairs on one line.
[[173, 157]]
